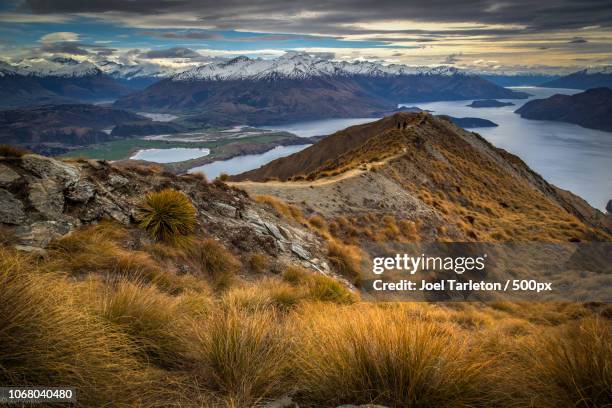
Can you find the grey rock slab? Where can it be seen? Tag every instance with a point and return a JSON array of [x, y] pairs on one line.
[[80, 191], [225, 209], [7, 176], [300, 251], [40, 234], [47, 197], [11, 209], [45, 167], [274, 231]]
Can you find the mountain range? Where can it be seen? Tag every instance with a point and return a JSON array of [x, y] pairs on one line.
[[591, 109], [299, 86]]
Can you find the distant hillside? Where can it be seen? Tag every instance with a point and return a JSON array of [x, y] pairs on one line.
[[585, 79], [519, 80], [301, 87], [21, 86], [590, 109], [61, 125]]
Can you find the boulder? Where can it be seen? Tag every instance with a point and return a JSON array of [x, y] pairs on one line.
[[225, 209], [47, 197], [11, 209], [40, 234], [7, 176], [81, 191], [48, 168], [609, 207]]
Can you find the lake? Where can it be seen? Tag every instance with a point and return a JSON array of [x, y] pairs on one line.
[[248, 162], [175, 154], [318, 127], [569, 156]]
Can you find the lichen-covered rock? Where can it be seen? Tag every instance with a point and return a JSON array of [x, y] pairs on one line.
[[7, 176], [11, 209], [48, 168], [80, 191], [40, 234], [47, 197]]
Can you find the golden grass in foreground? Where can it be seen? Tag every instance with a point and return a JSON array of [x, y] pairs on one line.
[[46, 340], [128, 341], [370, 355]]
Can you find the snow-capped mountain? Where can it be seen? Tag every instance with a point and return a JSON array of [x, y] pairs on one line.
[[295, 65], [132, 71], [56, 67], [299, 86]]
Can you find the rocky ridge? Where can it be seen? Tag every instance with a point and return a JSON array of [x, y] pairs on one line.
[[43, 198]]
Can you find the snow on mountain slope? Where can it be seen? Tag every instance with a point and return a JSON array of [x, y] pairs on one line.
[[132, 71], [295, 65], [55, 67]]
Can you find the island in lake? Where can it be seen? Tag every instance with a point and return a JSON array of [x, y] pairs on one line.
[[489, 103], [470, 123], [590, 109]]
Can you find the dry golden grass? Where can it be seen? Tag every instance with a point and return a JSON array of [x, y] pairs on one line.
[[166, 215], [369, 355], [12, 151], [346, 260], [259, 263], [215, 261], [283, 209], [46, 339], [241, 355], [571, 366], [107, 312]]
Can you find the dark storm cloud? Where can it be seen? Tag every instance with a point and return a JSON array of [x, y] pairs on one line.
[[65, 48], [75, 48], [175, 52], [577, 40], [330, 16], [190, 35]]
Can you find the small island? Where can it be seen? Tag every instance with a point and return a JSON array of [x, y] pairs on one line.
[[489, 103], [469, 123]]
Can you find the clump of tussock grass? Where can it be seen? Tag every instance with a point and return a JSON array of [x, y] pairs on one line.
[[150, 318], [98, 249], [370, 355], [570, 366], [346, 260], [215, 261], [259, 263], [12, 151], [318, 287], [265, 293], [46, 340], [241, 356], [166, 215], [282, 209]]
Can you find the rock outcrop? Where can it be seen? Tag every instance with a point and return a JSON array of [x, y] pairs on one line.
[[42, 198]]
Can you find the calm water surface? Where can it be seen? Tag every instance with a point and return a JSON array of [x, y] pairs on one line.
[[175, 154], [248, 162]]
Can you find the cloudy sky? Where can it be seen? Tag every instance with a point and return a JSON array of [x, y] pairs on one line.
[[489, 35]]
